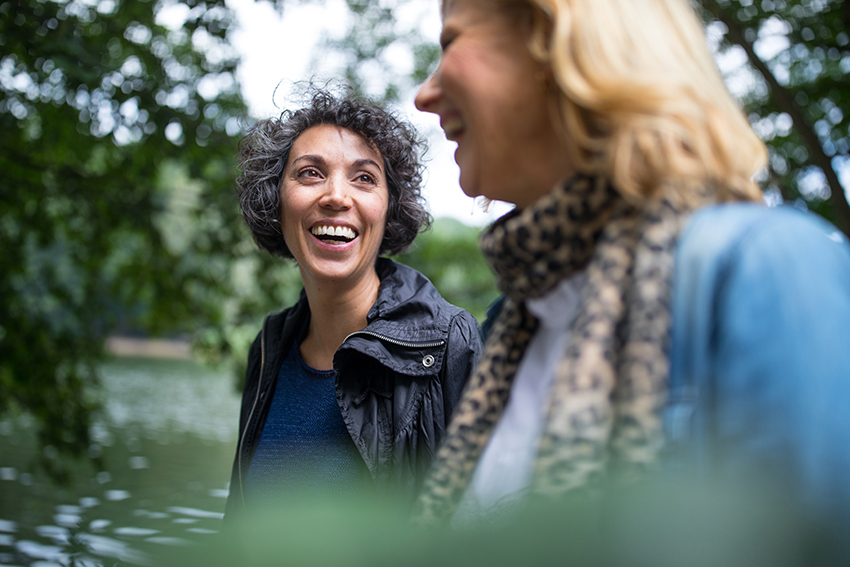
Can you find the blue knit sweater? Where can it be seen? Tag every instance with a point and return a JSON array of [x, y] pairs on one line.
[[305, 445]]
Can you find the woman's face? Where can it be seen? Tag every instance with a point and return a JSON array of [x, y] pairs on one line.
[[334, 201], [493, 100]]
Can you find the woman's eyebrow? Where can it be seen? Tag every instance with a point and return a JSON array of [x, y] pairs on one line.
[[366, 161], [310, 157], [320, 160]]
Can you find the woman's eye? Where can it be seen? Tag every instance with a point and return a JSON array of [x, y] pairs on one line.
[[366, 178], [308, 172], [446, 41]]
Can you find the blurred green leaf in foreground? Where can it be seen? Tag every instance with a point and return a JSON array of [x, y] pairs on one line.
[[661, 523]]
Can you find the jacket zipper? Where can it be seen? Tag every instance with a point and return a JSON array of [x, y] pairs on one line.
[[251, 414], [408, 344]]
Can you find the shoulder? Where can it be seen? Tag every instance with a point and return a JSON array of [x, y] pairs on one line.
[[284, 321], [760, 327], [409, 306], [400, 282], [759, 292], [749, 244], [278, 329], [724, 233], [407, 288], [750, 279]]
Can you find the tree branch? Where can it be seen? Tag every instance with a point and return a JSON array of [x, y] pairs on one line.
[[785, 102]]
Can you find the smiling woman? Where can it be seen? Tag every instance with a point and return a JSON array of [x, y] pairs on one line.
[[352, 387], [656, 315], [334, 201]]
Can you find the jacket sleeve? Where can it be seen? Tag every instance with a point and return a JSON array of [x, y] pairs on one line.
[[770, 353], [462, 351]]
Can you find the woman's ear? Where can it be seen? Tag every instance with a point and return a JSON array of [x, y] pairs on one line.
[[539, 28]]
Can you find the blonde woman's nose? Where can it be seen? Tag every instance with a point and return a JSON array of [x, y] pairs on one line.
[[429, 94]]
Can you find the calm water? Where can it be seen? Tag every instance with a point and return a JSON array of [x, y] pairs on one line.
[[167, 438]]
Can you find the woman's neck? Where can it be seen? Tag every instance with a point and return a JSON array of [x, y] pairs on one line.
[[336, 311]]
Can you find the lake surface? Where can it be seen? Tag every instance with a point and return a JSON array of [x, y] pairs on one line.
[[167, 439]]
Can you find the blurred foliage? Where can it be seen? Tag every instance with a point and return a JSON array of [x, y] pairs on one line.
[[119, 127], [116, 206], [794, 67], [677, 522], [798, 52], [450, 257], [383, 51]]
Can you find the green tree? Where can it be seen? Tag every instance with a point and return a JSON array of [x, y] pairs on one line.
[[799, 53], [119, 127], [117, 144], [449, 256], [384, 53]]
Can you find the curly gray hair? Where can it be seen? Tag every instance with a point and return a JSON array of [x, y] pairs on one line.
[[264, 152]]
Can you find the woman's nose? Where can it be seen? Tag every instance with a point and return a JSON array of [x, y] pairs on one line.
[[336, 195], [429, 93]]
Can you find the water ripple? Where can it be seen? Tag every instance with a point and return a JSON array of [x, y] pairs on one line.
[[151, 515], [172, 541], [109, 547], [219, 492], [133, 531], [67, 520], [89, 502], [195, 513], [40, 551], [8, 473], [201, 531], [57, 534], [117, 495], [99, 525], [139, 463]]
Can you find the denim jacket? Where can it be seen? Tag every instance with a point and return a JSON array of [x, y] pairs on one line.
[[760, 351]]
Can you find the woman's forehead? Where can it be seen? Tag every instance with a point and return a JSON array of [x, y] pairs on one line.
[[488, 6], [333, 138], [448, 5]]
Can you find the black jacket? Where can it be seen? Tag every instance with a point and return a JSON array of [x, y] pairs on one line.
[[397, 379]]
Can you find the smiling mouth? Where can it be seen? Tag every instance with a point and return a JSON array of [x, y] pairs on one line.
[[333, 234], [453, 127]]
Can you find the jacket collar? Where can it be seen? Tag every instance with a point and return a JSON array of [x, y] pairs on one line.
[[409, 307]]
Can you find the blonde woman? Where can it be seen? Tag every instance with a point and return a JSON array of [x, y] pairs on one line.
[[653, 305]]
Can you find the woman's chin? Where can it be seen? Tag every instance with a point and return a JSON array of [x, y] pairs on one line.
[[470, 187], [484, 199], [470, 193]]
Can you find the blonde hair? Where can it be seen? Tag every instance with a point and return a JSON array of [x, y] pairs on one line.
[[641, 98]]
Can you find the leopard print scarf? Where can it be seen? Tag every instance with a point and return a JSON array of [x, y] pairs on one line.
[[611, 381]]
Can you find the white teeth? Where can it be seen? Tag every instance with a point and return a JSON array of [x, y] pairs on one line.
[[341, 231], [452, 126]]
